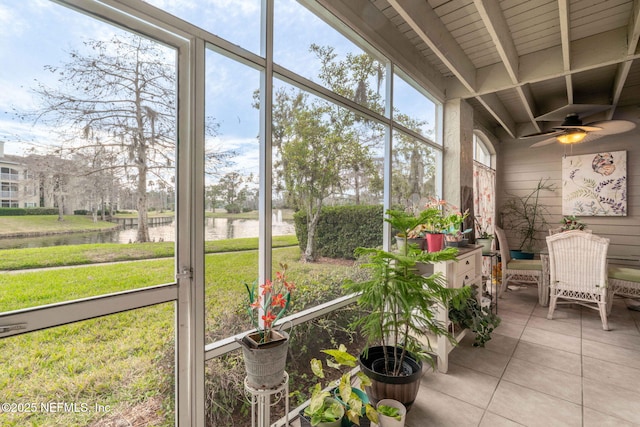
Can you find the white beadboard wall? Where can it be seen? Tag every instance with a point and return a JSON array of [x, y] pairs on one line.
[[519, 168]]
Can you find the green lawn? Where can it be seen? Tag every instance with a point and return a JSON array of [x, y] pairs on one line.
[[43, 224], [126, 359], [54, 256]]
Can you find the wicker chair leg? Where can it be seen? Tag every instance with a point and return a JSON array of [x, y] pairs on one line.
[[503, 285], [552, 306], [603, 315], [610, 295]]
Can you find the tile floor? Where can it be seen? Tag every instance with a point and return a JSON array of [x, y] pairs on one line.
[[539, 372]]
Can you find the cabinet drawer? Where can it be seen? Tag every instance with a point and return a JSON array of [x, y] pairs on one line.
[[466, 265], [465, 279]]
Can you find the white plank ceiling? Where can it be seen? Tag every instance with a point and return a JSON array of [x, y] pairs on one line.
[[515, 60]]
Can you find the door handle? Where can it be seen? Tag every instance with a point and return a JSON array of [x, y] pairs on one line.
[[8, 328]]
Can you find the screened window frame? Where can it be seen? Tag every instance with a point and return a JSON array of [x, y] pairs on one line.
[[187, 291]]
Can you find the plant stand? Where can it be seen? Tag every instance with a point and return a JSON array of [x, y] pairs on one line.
[[488, 280], [260, 400]]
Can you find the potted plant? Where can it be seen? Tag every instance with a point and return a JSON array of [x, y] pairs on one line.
[[322, 410], [265, 349], [401, 241], [391, 413], [471, 314], [445, 223], [526, 217], [571, 222], [483, 237], [399, 305], [454, 235]]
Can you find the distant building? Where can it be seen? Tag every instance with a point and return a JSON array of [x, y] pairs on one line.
[[18, 190]]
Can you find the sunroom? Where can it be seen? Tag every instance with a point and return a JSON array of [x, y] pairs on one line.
[[239, 121]]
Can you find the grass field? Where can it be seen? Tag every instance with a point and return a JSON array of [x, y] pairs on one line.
[[125, 361], [55, 256], [43, 224]]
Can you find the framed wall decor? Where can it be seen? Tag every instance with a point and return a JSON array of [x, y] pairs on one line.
[[595, 184]]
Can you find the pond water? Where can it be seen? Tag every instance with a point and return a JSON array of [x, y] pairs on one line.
[[215, 229]]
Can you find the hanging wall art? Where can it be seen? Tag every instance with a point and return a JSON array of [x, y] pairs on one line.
[[595, 184]]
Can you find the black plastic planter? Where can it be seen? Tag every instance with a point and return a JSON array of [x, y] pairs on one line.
[[403, 388]]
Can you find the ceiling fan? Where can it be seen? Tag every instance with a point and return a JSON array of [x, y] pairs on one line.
[[572, 131]]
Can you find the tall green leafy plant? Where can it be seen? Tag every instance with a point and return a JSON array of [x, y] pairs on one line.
[[401, 303], [526, 215]]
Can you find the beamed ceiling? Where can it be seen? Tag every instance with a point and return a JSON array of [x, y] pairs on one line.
[[522, 64]]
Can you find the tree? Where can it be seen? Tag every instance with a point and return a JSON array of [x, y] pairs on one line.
[[55, 178], [324, 149], [117, 99], [414, 167]]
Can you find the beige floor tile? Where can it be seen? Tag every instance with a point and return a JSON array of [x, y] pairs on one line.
[[561, 314], [494, 420], [549, 357], [512, 317], [510, 329], [565, 328], [625, 326], [612, 400], [551, 339], [532, 408], [612, 337], [433, 408], [611, 353], [594, 418], [502, 344], [464, 384], [545, 380], [479, 359], [516, 305], [611, 373]]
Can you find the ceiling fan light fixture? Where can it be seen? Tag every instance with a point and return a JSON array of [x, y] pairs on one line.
[[573, 136]]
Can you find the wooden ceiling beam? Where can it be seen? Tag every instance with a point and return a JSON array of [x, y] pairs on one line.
[[565, 42], [633, 35], [424, 21], [588, 54]]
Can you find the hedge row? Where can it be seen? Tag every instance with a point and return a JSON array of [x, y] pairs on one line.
[[342, 229], [28, 211]]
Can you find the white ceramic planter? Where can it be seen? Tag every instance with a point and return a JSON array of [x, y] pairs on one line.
[[385, 421]]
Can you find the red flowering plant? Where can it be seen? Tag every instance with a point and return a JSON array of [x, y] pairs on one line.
[[446, 218], [269, 302]]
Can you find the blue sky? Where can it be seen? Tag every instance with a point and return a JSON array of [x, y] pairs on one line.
[[30, 38]]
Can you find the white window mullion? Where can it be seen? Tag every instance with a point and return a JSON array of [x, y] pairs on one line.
[[266, 160], [190, 316]]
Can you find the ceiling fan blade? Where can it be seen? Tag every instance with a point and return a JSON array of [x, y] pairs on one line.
[[585, 128], [536, 135], [612, 127], [544, 142]]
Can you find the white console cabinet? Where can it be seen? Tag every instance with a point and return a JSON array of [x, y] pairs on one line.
[[466, 271]]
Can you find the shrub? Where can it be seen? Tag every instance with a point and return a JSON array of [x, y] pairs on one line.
[[28, 211], [341, 229], [12, 211], [233, 208], [81, 212]]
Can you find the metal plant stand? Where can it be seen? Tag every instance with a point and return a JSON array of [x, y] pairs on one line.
[[261, 404]]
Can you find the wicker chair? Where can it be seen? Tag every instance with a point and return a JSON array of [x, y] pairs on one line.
[[578, 271], [520, 270], [556, 230]]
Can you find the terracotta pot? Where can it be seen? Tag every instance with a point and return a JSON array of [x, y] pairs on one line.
[[435, 242]]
